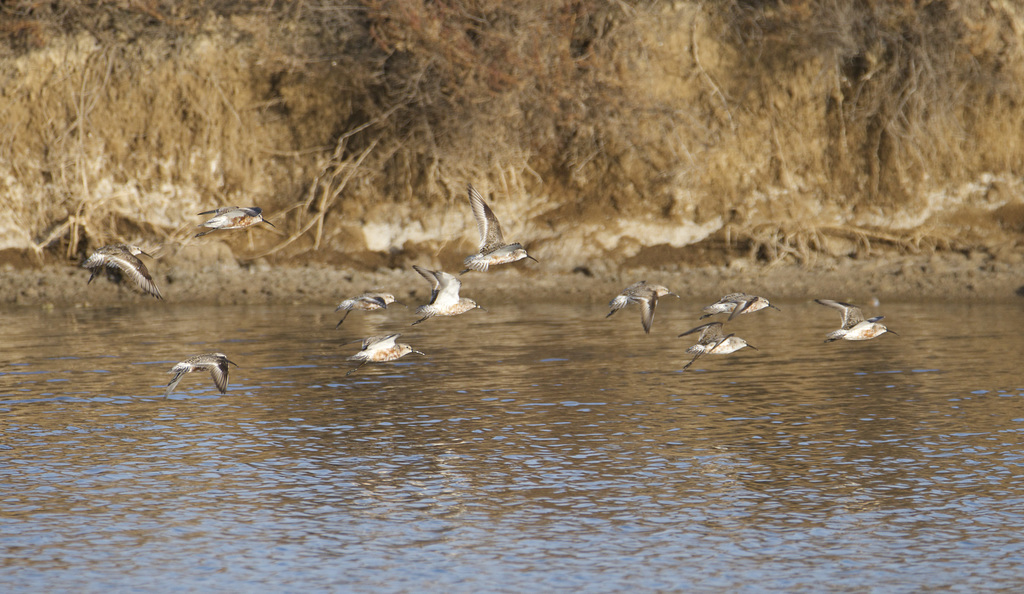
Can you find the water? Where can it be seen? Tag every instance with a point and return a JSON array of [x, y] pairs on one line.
[[537, 447]]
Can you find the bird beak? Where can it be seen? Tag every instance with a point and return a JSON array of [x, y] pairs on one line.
[[532, 258], [269, 223], [773, 307], [232, 362], [420, 353], [146, 255], [753, 347]]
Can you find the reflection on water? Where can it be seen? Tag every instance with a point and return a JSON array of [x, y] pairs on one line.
[[536, 447]]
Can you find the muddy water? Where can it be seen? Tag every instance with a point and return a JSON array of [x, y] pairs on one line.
[[536, 447]]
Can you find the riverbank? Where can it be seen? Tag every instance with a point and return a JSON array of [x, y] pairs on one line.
[[940, 276]]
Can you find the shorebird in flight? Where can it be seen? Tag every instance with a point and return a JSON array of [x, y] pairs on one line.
[[444, 296], [493, 249], [713, 341], [737, 303], [233, 217], [216, 363], [380, 349], [368, 301], [122, 257], [646, 295], [855, 326]]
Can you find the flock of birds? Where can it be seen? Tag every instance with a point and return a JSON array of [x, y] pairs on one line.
[[446, 301]]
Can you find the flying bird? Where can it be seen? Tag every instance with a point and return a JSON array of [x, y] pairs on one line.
[[713, 341], [122, 257], [646, 295], [216, 363], [737, 303], [233, 217], [855, 326], [444, 296], [368, 301], [493, 249], [380, 349]]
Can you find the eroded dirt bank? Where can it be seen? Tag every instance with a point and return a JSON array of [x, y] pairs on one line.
[[937, 277], [627, 133]]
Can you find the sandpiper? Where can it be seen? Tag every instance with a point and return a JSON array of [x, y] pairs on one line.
[[444, 296], [855, 326], [644, 294], [233, 217], [216, 363], [493, 249], [380, 349], [713, 341], [737, 303], [123, 257], [368, 301]]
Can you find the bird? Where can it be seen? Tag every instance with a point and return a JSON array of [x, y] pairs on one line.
[[644, 294], [714, 342], [444, 296], [493, 249], [855, 326], [216, 363], [233, 217], [368, 301], [123, 257], [380, 349], [737, 303]]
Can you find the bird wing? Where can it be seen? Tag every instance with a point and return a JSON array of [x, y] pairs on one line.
[[370, 341], [219, 372], [647, 310], [388, 341], [220, 219], [852, 315], [383, 341], [431, 277], [487, 224], [179, 372], [734, 298], [616, 304], [374, 298], [627, 296], [135, 270], [448, 291], [221, 210], [381, 297], [710, 332], [742, 306], [692, 361], [719, 340], [635, 289]]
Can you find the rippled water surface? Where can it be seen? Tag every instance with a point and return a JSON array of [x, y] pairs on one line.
[[536, 447]]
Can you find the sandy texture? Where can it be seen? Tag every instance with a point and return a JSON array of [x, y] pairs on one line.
[[942, 276]]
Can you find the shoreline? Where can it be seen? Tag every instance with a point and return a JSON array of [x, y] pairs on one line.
[[939, 276]]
